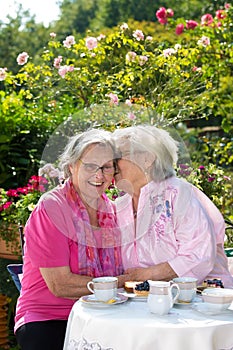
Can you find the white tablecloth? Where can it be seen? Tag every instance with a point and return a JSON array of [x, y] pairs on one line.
[[130, 326]]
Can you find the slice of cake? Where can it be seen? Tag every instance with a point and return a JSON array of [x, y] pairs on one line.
[[142, 289], [129, 286]]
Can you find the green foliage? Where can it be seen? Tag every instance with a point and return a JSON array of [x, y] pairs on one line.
[[173, 78]]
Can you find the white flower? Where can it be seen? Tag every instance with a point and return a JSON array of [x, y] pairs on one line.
[[22, 58], [169, 52], [177, 47], [124, 26], [2, 74], [131, 56]]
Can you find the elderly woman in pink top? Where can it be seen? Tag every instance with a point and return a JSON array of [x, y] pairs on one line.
[[169, 227], [70, 237]]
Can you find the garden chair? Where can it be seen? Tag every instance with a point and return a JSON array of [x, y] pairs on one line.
[[16, 270]]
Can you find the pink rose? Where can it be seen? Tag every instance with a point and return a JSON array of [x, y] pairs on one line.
[[170, 13], [138, 34], [169, 52], [91, 42], [142, 60], [113, 98], [221, 14], [101, 36], [206, 19], [53, 35], [191, 24], [161, 13], [131, 116], [70, 40], [204, 41], [65, 69], [131, 56], [22, 58], [57, 62], [163, 20], [179, 28]]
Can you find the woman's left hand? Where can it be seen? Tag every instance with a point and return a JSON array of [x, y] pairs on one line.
[[138, 274]]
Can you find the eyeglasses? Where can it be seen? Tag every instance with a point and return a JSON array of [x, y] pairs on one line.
[[93, 168]]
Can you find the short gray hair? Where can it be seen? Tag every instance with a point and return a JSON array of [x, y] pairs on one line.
[[79, 143], [156, 141]]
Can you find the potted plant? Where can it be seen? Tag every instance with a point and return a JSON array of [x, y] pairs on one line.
[[16, 206]]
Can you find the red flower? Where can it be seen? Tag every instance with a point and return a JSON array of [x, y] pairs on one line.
[[206, 19], [220, 14], [12, 193], [179, 28], [5, 206], [161, 13], [191, 24]]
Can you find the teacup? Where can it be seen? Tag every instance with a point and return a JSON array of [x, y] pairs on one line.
[[217, 299], [104, 288], [188, 288], [160, 299]]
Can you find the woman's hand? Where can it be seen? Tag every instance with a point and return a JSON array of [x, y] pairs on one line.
[[160, 272], [138, 274]]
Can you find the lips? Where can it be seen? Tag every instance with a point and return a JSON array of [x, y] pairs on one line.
[[96, 184]]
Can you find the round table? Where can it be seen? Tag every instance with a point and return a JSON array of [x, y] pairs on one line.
[[131, 326]]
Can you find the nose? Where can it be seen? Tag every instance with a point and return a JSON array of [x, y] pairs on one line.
[[99, 173]]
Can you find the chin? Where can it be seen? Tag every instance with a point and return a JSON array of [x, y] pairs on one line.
[[124, 185]]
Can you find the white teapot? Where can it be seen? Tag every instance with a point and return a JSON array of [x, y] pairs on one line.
[[160, 299]]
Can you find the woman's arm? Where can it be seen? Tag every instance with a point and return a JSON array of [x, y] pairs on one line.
[[65, 284], [159, 272]]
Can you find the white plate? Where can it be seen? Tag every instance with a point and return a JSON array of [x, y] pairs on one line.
[[201, 307], [133, 296], [91, 300]]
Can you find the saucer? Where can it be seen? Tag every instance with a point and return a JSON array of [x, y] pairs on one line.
[[92, 301], [133, 296], [182, 304]]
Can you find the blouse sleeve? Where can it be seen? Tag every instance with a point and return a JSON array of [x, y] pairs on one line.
[[45, 244], [195, 236]]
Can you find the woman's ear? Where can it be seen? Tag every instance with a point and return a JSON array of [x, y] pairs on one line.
[[149, 159], [71, 169]]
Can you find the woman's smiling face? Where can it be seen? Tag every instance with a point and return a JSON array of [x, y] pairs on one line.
[[93, 172]]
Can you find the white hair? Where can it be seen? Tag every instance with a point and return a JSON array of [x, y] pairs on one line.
[[79, 143], [155, 141]]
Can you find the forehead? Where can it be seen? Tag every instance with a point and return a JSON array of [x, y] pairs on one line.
[[98, 153]]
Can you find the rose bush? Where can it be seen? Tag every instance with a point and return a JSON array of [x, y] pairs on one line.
[[17, 204], [187, 75]]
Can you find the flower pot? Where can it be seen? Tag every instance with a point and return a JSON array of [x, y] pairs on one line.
[[10, 250]]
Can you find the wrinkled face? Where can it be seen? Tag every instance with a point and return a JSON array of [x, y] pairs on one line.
[[130, 168], [93, 172]]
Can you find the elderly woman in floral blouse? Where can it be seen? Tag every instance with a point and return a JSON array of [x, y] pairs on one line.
[[169, 227]]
